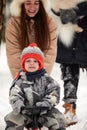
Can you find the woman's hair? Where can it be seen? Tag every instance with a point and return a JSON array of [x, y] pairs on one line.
[[42, 34]]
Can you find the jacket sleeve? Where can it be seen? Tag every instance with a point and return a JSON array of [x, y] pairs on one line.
[[13, 49], [52, 94], [50, 55], [16, 99], [52, 91]]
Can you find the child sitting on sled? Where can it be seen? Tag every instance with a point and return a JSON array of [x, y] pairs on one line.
[[34, 87]]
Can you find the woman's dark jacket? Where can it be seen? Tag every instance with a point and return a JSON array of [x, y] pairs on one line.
[[77, 52]]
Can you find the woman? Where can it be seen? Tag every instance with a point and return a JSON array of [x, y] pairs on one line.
[[29, 22]]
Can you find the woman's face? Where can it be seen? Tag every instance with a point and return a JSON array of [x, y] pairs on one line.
[[31, 7]]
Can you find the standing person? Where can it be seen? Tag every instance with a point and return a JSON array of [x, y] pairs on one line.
[[72, 58], [33, 87], [29, 22]]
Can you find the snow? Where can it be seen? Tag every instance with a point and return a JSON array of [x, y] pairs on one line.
[[5, 83]]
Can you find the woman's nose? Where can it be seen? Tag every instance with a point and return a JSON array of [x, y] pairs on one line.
[[32, 7]]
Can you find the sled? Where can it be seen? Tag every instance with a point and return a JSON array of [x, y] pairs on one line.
[[34, 112]]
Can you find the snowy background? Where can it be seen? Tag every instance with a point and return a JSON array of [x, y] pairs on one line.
[[5, 83]]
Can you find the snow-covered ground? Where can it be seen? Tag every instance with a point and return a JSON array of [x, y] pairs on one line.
[[5, 82]]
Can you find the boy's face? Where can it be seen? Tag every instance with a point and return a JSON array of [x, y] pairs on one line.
[[31, 7], [31, 65]]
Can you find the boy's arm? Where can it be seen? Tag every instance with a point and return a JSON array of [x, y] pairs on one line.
[[52, 95], [16, 99]]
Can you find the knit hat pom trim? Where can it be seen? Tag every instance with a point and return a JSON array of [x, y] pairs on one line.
[[15, 7], [33, 45]]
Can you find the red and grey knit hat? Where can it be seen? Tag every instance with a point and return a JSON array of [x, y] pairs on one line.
[[32, 51]]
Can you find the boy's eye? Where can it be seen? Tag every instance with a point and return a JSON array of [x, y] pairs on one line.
[[35, 61], [28, 61], [31, 61]]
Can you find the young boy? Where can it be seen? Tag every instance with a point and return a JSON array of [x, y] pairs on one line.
[[33, 87]]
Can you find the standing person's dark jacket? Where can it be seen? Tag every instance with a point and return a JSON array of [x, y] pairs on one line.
[[77, 52]]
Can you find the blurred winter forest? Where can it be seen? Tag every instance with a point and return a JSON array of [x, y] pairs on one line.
[[4, 16], [5, 79]]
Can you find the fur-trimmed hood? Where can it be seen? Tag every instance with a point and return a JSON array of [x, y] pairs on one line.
[[15, 7]]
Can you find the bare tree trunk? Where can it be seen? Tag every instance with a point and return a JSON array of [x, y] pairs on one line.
[[2, 14]]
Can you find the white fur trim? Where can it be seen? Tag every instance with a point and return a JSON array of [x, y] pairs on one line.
[[47, 5], [15, 7], [61, 4], [66, 33]]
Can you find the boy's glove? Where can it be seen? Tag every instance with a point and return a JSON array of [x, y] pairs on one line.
[[43, 104], [68, 15], [24, 111], [17, 107]]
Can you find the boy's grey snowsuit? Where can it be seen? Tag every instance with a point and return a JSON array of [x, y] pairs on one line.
[[40, 91]]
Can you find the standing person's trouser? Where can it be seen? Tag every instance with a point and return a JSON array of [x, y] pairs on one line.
[[54, 120], [70, 76]]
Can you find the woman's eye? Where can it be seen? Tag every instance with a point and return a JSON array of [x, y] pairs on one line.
[[37, 3], [27, 3]]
